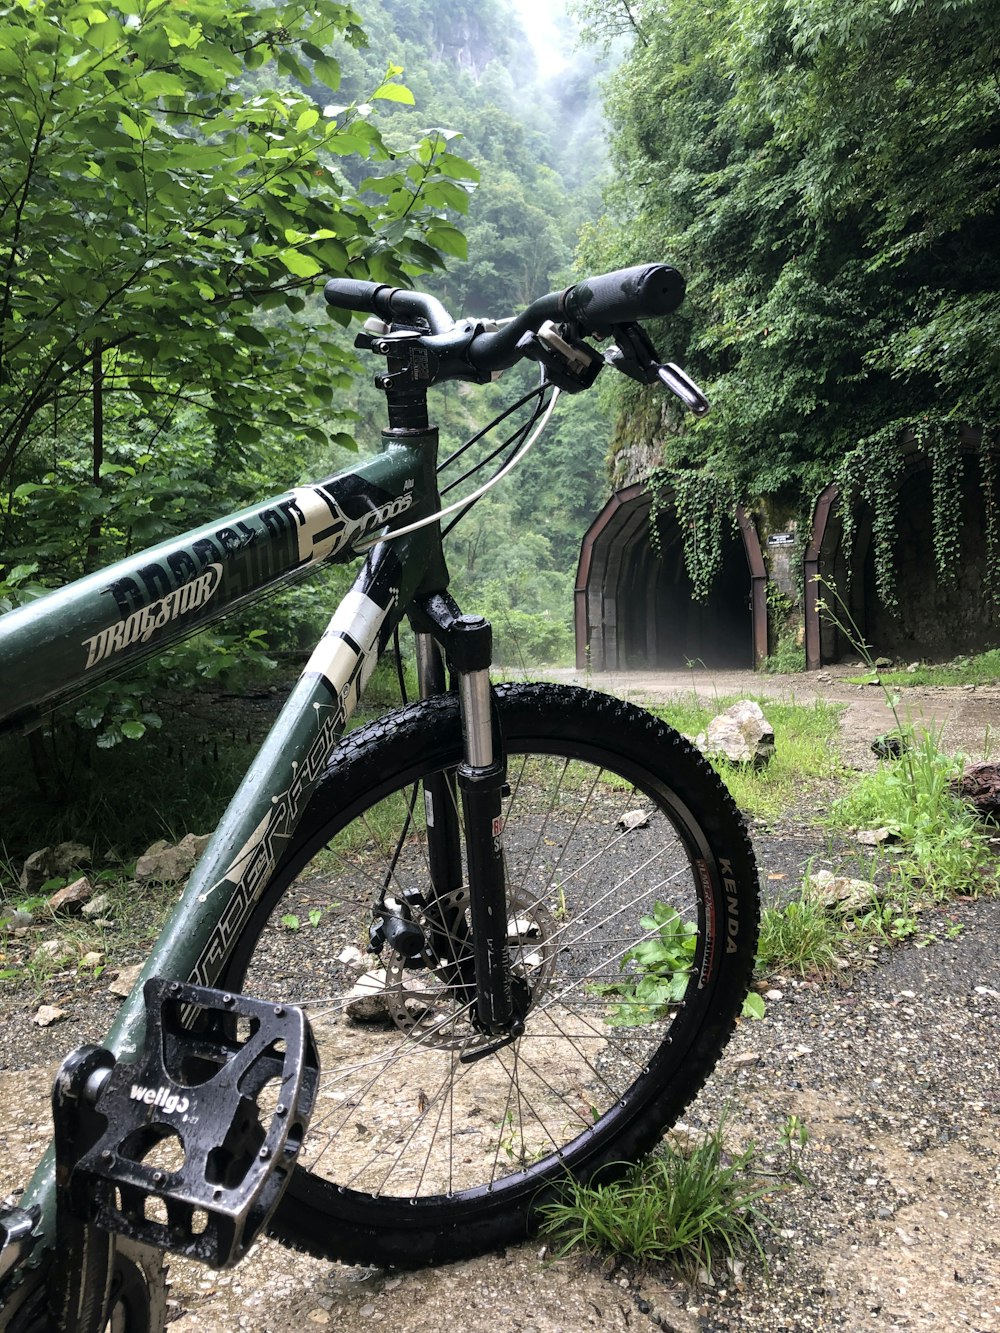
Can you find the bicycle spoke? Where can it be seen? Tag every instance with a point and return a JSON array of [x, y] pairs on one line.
[[423, 1107]]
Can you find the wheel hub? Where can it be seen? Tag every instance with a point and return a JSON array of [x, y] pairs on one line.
[[433, 1007]]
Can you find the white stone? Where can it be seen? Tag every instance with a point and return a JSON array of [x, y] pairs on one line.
[[742, 735], [48, 1014]]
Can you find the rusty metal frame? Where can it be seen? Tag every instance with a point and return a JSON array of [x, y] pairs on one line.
[[810, 569]]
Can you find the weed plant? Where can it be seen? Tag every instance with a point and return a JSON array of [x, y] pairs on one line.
[[801, 937], [655, 972], [788, 658], [685, 1209]]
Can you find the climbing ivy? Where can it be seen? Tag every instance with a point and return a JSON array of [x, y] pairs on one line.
[[871, 472], [988, 473], [705, 506], [946, 496]]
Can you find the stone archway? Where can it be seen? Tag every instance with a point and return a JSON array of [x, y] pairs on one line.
[[934, 620], [634, 604]]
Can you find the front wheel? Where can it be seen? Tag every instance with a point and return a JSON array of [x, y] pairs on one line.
[[632, 912]]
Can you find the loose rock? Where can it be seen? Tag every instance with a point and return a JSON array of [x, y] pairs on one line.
[[97, 907], [54, 952], [52, 863], [979, 786], [164, 863], [842, 895], [72, 897], [125, 980], [366, 1001], [741, 735], [633, 819], [874, 837], [17, 919], [48, 1014]]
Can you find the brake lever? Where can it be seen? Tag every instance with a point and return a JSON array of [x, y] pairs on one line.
[[683, 386], [569, 363], [636, 357]]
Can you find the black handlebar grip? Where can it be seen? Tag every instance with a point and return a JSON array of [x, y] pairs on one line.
[[416, 309], [354, 294], [642, 292]]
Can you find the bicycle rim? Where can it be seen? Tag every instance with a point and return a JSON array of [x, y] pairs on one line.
[[424, 1143]]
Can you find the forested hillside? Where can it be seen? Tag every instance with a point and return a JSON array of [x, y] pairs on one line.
[[539, 149], [827, 175]]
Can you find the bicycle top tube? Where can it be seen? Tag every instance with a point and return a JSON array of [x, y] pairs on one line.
[[470, 349], [56, 647]]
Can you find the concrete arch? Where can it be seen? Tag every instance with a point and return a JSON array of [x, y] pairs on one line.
[[634, 606], [933, 620]]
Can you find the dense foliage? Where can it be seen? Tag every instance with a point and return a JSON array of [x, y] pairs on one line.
[[168, 190], [827, 175], [538, 147], [175, 182], [537, 143]]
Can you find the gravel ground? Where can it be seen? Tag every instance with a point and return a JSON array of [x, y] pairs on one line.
[[894, 1072]]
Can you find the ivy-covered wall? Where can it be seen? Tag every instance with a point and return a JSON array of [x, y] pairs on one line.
[[911, 547]]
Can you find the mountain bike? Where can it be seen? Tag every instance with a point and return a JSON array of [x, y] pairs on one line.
[[558, 894]]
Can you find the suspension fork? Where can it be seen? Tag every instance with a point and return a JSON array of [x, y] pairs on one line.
[[481, 778]]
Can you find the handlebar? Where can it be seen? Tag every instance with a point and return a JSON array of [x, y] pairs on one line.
[[377, 298], [595, 305], [642, 292]]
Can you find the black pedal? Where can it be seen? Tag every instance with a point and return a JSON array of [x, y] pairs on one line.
[[203, 1130]]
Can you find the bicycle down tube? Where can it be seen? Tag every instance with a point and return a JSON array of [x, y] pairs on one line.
[[55, 639]]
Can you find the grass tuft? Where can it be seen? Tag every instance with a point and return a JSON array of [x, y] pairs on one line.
[[802, 937], [685, 1209]]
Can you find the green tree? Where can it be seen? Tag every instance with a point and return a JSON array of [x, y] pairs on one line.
[[167, 192], [827, 175]]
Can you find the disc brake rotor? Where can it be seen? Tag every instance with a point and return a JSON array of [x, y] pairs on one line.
[[434, 1011]]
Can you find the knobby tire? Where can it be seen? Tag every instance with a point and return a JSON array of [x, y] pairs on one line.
[[415, 1156]]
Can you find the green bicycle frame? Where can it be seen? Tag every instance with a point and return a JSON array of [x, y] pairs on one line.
[[55, 648]]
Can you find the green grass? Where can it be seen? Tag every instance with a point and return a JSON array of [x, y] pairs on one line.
[[684, 1209], [942, 850], [980, 669], [804, 750], [801, 937]]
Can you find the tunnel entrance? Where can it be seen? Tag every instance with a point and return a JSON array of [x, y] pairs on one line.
[[635, 607], [934, 619]]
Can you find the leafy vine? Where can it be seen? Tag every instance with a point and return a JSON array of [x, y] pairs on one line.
[[705, 507], [946, 498], [871, 472], [988, 444]]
